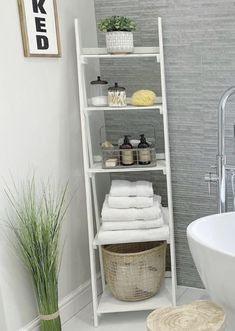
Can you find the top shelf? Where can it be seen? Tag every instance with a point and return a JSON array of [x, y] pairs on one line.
[[139, 52]]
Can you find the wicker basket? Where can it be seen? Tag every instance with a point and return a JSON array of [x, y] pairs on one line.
[[134, 271]]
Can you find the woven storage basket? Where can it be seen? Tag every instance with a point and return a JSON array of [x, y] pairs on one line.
[[134, 271]]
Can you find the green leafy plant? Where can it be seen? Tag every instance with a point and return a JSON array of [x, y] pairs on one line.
[[117, 23], [36, 219]]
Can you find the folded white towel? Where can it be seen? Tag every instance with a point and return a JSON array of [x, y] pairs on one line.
[[165, 214], [132, 225], [130, 202], [118, 237], [132, 214], [125, 188]]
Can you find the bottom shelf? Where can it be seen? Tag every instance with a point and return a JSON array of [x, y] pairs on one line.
[[108, 304]]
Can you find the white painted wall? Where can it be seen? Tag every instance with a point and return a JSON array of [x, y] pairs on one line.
[[40, 130]]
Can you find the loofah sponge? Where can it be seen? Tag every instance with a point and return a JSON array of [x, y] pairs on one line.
[[143, 98]]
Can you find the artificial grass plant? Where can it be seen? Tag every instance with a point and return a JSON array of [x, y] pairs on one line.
[[36, 221]]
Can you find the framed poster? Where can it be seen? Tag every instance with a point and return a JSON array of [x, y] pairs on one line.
[[40, 28]]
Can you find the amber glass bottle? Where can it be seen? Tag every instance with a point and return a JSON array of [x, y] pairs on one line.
[[127, 153], [144, 154]]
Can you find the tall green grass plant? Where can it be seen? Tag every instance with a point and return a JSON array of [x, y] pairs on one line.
[[36, 219]]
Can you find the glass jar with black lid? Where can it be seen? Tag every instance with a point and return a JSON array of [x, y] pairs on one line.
[[117, 96], [99, 92]]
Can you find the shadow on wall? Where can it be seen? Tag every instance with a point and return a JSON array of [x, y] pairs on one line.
[[3, 325]]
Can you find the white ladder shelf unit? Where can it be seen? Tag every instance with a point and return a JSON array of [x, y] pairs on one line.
[[106, 303]]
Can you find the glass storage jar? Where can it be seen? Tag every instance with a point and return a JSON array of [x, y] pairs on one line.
[[117, 96], [99, 91]]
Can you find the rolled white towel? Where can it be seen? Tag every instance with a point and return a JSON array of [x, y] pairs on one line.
[[132, 225], [130, 202], [132, 214], [125, 188]]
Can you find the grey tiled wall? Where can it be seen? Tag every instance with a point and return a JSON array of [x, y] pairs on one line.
[[199, 40]]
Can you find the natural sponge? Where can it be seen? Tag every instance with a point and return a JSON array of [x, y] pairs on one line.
[[143, 98]]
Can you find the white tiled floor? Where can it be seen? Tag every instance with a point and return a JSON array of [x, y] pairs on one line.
[[126, 321]]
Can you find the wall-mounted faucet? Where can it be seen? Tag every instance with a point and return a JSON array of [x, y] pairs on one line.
[[220, 176]]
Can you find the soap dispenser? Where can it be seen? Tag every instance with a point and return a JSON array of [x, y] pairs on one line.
[[144, 152], [127, 153]]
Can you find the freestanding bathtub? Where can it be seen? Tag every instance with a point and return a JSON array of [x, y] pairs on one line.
[[212, 244]]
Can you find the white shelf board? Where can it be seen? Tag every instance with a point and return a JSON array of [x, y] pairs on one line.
[[126, 108], [97, 168], [109, 304], [162, 234], [138, 53]]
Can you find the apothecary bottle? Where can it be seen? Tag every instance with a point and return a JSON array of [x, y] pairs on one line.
[[99, 92], [127, 153], [144, 155]]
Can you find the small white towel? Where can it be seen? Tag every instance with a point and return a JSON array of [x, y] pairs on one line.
[[118, 237], [125, 188], [130, 202], [132, 225], [132, 214]]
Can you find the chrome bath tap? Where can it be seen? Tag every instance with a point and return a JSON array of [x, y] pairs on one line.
[[220, 176]]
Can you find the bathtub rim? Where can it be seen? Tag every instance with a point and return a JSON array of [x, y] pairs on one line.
[[195, 237]]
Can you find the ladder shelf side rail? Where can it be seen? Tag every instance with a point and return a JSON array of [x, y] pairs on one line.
[[167, 156]]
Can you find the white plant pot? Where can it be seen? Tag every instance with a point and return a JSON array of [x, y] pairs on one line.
[[119, 42]]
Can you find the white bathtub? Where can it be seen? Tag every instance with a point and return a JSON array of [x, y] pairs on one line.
[[212, 244]]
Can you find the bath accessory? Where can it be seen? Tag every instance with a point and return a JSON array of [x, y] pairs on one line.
[[212, 244], [197, 316], [117, 96], [127, 155], [132, 214], [130, 202], [111, 163], [143, 98], [131, 156], [132, 225], [99, 91], [144, 153], [125, 188], [220, 176], [135, 154], [107, 144]]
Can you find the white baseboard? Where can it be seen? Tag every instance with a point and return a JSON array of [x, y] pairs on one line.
[[71, 305]]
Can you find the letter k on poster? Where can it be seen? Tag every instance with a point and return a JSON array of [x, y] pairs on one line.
[[39, 25]]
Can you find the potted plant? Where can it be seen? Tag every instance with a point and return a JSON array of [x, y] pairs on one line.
[[35, 219], [119, 34]]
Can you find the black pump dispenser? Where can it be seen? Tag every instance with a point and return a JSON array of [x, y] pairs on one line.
[[144, 155], [143, 143], [126, 140], [127, 156]]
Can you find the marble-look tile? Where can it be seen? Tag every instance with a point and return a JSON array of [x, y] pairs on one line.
[[131, 321]]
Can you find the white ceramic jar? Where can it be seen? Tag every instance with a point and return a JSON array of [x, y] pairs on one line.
[[119, 42]]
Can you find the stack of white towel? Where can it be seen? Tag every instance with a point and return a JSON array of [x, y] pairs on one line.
[[132, 206]]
